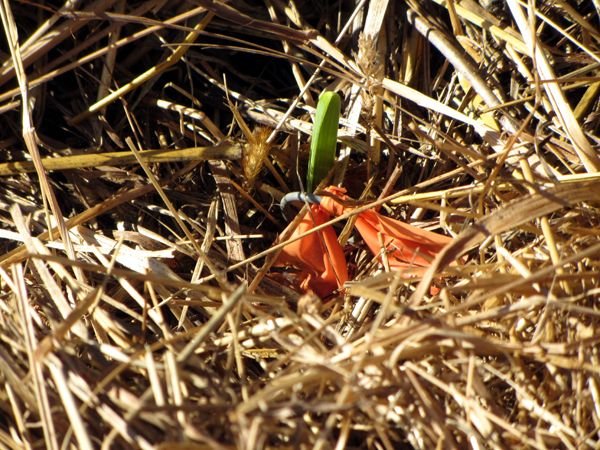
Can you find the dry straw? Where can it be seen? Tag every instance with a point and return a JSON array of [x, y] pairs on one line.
[[138, 303]]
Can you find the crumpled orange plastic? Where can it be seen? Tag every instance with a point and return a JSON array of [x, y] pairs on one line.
[[318, 256], [321, 260]]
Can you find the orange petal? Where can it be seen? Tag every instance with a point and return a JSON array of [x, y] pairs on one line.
[[406, 245], [319, 256], [403, 243]]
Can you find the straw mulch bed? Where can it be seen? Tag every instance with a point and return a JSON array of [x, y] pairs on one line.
[[139, 307]]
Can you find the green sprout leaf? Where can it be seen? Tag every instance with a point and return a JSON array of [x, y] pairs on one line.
[[324, 139]]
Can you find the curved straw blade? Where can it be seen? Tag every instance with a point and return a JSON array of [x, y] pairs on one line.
[[324, 139]]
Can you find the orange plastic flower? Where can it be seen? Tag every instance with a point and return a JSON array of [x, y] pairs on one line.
[[320, 258]]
